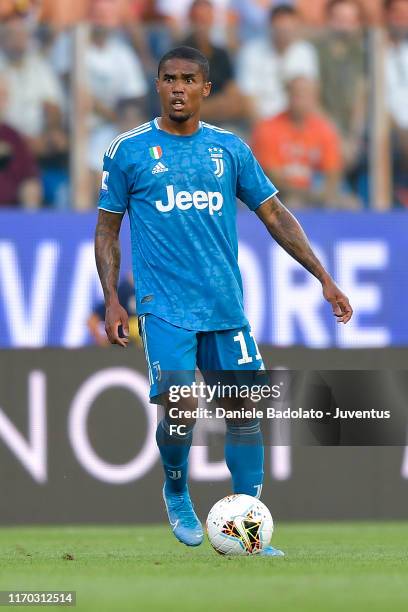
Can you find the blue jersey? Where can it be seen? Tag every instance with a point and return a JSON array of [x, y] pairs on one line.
[[180, 193]]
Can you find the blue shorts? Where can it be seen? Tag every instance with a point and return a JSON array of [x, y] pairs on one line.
[[170, 350]]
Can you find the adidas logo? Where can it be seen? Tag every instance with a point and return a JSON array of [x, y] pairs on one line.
[[159, 168]]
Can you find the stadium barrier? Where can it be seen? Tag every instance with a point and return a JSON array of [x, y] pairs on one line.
[[77, 445]]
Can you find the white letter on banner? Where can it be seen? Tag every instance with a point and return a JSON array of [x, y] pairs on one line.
[[254, 290], [28, 324], [78, 433], [365, 298], [32, 452], [295, 304], [81, 300], [281, 462]]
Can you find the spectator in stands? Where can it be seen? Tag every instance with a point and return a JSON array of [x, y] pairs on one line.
[[35, 97], [343, 85], [110, 60], [226, 102], [19, 182], [314, 12], [300, 149], [114, 70], [397, 91], [61, 14], [176, 16], [266, 63], [129, 115], [11, 8], [115, 73], [252, 17], [136, 15]]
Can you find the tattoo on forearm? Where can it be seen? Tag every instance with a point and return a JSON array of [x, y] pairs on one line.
[[107, 252], [287, 232]]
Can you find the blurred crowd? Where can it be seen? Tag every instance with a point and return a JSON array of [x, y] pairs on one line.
[[291, 78]]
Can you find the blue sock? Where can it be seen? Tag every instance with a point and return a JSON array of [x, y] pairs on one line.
[[174, 450], [244, 455]]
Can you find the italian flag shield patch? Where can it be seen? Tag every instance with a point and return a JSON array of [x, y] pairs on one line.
[[156, 152]]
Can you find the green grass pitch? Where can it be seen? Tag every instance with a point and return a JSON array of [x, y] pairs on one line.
[[328, 566]]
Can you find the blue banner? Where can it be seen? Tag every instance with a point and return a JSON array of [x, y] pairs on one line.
[[49, 284]]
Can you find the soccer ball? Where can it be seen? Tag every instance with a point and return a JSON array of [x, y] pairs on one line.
[[239, 525]]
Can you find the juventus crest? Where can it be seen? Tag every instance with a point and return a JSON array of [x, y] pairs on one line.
[[216, 156]]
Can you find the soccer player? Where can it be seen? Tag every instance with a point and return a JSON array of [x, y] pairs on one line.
[[179, 178]]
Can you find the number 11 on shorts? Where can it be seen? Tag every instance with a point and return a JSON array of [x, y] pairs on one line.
[[244, 349]]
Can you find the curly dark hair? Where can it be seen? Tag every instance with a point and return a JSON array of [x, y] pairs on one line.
[[187, 53]]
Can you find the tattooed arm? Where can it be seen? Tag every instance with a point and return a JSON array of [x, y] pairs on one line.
[[287, 232], [107, 255]]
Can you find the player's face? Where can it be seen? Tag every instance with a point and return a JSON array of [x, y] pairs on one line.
[[182, 88]]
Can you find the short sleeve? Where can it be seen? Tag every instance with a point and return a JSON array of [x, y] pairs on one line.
[[253, 186], [114, 194]]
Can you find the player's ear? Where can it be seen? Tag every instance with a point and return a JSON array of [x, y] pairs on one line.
[[157, 81], [207, 89]]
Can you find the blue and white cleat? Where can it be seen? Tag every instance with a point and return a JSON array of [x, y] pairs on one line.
[[270, 551], [183, 520]]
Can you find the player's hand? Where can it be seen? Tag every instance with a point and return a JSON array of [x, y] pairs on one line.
[[338, 300], [116, 317]]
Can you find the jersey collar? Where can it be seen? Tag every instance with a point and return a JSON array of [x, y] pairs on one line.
[[157, 126]]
